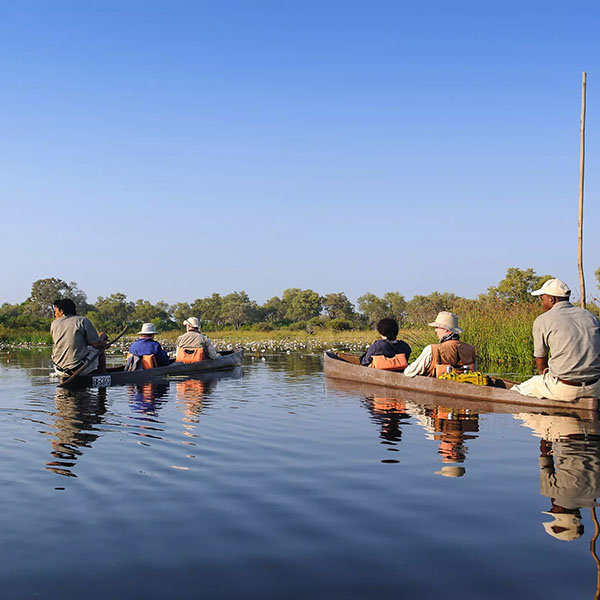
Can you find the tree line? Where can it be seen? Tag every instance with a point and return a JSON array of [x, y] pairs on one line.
[[296, 309]]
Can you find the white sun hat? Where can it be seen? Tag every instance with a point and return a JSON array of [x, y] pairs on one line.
[[565, 527], [192, 322], [148, 329], [447, 320], [553, 287]]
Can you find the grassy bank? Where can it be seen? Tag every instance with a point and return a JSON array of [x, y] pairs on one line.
[[502, 336]]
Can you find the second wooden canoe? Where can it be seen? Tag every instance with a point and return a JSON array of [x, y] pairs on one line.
[[336, 367]]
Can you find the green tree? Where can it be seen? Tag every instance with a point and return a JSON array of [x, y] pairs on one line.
[[273, 310], [208, 309], [397, 304], [112, 312], [237, 309], [45, 291], [597, 274], [301, 305], [337, 306], [181, 311], [423, 309], [516, 287], [373, 308]]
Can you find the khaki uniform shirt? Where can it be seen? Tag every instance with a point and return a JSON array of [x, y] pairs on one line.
[[572, 335], [71, 336], [195, 339]]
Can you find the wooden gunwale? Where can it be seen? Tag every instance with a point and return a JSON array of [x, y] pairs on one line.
[[338, 368], [118, 376]]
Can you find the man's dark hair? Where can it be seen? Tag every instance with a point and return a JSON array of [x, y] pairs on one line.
[[66, 305], [388, 327]]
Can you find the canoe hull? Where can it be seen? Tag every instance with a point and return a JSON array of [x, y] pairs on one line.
[[335, 368], [121, 377]]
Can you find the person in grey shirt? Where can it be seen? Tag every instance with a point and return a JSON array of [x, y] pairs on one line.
[[571, 336], [74, 338], [194, 339]]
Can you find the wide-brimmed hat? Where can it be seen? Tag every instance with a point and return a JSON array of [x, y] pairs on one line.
[[148, 329], [553, 287], [447, 320], [451, 471], [192, 322], [565, 527]]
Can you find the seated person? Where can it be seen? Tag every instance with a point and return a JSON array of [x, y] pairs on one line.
[[388, 346], [145, 345], [75, 341], [192, 340], [450, 351]]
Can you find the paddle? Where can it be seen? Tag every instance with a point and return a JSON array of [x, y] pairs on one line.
[[90, 359]]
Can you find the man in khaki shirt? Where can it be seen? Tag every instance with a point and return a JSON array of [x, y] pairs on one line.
[[74, 339], [571, 336], [194, 339]]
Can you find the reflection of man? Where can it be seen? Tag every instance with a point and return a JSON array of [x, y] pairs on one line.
[[77, 414], [451, 427], [74, 339], [571, 335], [569, 469], [143, 398]]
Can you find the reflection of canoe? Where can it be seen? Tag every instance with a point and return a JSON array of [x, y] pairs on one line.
[[338, 368], [393, 400], [118, 376]]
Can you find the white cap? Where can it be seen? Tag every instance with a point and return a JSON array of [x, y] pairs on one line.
[[565, 527], [148, 329], [447, 320], [553, 287], [192, 322]]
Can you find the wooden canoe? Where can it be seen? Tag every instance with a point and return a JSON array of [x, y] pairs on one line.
[[118, 375], [337, 368]]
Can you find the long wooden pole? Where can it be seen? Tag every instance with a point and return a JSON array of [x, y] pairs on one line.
[[581, 173]]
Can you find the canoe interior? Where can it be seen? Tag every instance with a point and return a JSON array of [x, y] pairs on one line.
[[336, 367]]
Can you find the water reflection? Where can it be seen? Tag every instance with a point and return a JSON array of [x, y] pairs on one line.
[[78, 413], [390, 414], [192, 395], [451, 427], [147, 398], [569, 464]]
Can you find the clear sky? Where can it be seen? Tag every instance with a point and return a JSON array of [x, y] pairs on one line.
[[172, 149]]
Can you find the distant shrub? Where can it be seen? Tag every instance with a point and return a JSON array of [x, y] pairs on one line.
[[263, 326], [340, 324]]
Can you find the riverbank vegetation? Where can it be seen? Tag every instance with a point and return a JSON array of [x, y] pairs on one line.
[[498, 322]]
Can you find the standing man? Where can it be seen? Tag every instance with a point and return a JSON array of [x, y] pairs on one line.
[[192, 340], [74, 339], [572, 337]]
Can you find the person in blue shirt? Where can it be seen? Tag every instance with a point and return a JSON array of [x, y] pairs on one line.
[[146, 345], [388, 346]]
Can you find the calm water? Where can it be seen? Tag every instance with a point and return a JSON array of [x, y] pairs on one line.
[[279, 484]]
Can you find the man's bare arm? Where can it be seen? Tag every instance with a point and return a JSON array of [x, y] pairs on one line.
[[541, 364]]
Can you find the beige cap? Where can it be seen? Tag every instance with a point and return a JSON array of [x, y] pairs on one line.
[[565, 527], [192, 322], [148, 329], [553, 287], [447, 320], [451, 471]]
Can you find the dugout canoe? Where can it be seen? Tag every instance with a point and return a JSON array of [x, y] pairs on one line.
[[118, 375], [337, 366]]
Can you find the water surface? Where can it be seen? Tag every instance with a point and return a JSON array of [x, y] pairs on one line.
[[276, 483]]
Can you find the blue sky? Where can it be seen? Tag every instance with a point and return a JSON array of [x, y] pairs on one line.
[[168, 150]]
